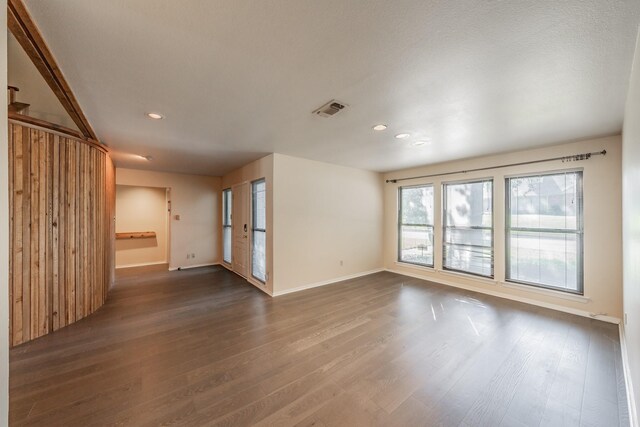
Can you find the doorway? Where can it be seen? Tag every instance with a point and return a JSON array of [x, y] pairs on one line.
[[142, 226], [240, 229]]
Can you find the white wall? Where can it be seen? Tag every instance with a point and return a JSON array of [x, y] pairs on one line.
[[324, 215], [34, 90], [4, 234], [141, 209], [631, 213], [197, 200], [602, 225], [261, 168]]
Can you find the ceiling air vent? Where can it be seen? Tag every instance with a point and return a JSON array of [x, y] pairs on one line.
[[329, 109]]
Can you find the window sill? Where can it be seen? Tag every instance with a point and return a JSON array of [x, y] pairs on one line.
[[415, 266], [432, 270], [549, 292]]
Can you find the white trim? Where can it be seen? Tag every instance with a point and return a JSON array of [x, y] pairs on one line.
[[186, 267], [631, 401], [257, 284], [144, 264], [251, 281], [498, 294], [326, 282], [550, 292]]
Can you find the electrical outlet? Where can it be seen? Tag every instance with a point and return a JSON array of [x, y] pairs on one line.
[[188, 256], [193, 256]]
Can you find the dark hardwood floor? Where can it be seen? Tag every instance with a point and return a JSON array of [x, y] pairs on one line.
[[203, 347]]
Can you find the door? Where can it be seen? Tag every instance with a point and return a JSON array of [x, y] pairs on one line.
[[240, 227]]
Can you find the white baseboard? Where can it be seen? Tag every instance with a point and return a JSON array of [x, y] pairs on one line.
[[193, 266], [525, 300], [631, 401], [249, 280], [261, 286], [326, 282], [144, 264]]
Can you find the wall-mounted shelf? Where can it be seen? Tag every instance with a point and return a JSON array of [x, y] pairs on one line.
[[136, 235]]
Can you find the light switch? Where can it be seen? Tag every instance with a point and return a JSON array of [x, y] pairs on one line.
[[176, 217]]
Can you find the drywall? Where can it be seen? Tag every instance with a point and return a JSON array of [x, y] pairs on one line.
[[261, 168], [33, 88], [631, 214], [4, 234], [327, 222], [141, 209], [196, 199], [602, 225]]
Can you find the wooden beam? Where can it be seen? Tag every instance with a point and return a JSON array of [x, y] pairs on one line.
[[26, 32]]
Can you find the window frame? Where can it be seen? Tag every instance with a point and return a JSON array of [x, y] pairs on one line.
[[226, 208], [254, 229], [400, 224], [492, 228], [579, 232]]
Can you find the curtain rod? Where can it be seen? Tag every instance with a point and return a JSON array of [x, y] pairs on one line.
[[573, 158]]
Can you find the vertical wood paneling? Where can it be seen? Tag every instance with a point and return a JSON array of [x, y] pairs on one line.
[[62, 202], [49, 242], [16, 233], [42, 237], [55, 207], [72, 273], [26, 233], [62, 234], [34, 272], [81, 236], [11, 242]]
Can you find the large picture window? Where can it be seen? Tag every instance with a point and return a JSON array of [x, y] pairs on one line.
[[226, 225], [544, 230], [259, 230], [415, 225], [468, 227]]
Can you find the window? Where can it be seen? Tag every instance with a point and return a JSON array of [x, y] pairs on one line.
[[544, 230], [415, 225], [259, 230], [468, 227], [226, 225]]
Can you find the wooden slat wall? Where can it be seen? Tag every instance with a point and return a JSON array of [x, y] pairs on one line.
[[62, 196]]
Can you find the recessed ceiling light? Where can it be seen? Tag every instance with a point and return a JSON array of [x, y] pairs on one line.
[[403, 135], [379, 127], [155, 116], [417, 143]]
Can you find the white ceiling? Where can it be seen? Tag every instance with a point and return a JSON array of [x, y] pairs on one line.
[[237, 79]]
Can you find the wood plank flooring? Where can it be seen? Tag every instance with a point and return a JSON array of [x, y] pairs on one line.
[[203, 347]]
